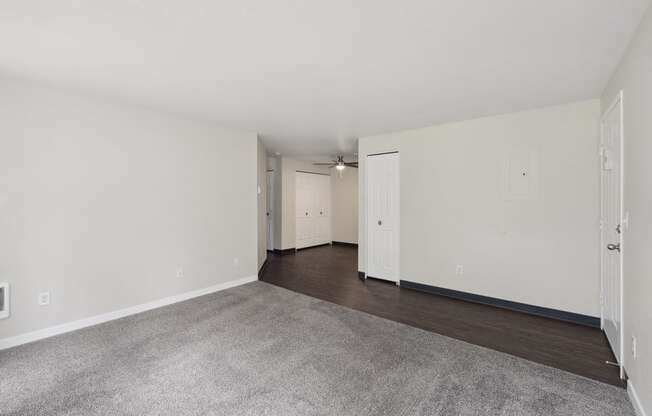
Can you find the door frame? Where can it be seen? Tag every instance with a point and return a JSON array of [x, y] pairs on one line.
[[366, 225], [617, 101]]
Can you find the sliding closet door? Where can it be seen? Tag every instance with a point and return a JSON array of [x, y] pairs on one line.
[[312, 209], [382, 173]]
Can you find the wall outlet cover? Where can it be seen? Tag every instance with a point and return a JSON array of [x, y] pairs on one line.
[[44, 298], [4, 300]]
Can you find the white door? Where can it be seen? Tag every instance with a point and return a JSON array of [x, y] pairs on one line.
[[611, 224], [323, 210], [382, 172], [312, 193], [304, 210], [270, 210]]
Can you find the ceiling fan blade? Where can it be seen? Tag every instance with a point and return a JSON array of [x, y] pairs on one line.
[[323, 164], [352, 164]]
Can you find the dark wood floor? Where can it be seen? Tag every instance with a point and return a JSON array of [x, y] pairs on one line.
[[330, 273]]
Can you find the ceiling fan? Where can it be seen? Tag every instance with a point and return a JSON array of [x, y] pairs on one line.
[[339, 164]]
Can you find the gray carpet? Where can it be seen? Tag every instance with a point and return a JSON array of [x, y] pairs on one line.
[[262, 350]]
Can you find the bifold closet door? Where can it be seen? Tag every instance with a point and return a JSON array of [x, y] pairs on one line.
[[382, 177], [304, 210], [324, 207], [312, 209]]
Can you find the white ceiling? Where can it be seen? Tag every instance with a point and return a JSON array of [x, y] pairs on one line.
[[311, 76]]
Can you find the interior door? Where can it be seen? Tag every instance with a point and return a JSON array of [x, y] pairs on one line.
[[382, 176], [270, 212], [312, 209], [313, 192], [304, 210], [324, 198], [611, 225]]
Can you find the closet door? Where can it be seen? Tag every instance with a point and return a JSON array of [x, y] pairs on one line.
[[303, 209], [324, 221], [382, 200], [312, 209], [313, 195]]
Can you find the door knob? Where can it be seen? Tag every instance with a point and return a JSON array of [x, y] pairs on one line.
[[380, 222], [614, 247]]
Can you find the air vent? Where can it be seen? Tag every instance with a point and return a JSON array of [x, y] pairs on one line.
[[4, 300]]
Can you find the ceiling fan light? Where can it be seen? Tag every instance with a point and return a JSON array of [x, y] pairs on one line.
[[340, 167]]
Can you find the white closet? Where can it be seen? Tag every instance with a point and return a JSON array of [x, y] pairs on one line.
[[313, 205]]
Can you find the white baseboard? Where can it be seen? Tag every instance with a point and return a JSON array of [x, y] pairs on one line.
[[633, 397], [109, 316]]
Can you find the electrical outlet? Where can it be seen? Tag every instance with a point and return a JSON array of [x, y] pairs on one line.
[[459, 269], [179, 272], [4, 300], [44, 298], [633, 346]]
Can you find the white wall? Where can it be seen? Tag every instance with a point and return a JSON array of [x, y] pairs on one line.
[[262, 203], [100, 203], [541, 251], [634, 77], [344, 205], [288, 169]]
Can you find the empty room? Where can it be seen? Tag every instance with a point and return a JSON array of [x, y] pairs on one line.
[[428, 207]]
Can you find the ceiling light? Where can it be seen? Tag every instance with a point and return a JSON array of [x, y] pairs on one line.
[[339, 164]]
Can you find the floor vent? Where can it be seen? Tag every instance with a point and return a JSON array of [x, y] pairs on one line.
[[4, 300]]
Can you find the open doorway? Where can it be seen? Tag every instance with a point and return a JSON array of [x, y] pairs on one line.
[[311, 204]]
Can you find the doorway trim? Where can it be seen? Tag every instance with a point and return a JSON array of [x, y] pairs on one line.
[[623, 221]]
